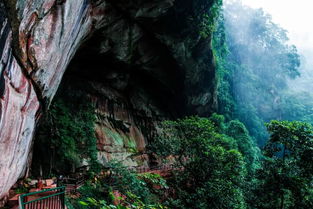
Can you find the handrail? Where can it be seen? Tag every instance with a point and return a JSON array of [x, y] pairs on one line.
[[42, 191], [54, 200], [143, 169], [42, 198], [74, 182]]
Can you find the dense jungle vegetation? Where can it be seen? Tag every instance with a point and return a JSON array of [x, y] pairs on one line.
[[217, 166], [253, 153]]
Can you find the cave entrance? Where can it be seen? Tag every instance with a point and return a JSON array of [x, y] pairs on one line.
[[108, 105]]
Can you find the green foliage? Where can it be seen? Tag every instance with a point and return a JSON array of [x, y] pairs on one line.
[[129, 183], [91, 190], [208, 23], [298, 106], [254, 63], [153, 179], [224, 73], [136, 190], [21, 190], [213, 158], [68, 133], [135, 203], [73, 131], [218, 122], [246, 145], [211, 170], [287, 173]]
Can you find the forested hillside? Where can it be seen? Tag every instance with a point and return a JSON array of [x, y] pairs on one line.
[[255, 63], [246, 156]]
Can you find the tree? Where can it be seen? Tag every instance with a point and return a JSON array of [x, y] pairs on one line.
[[287, 172], [246, 145], [254, 63], [212, 170]]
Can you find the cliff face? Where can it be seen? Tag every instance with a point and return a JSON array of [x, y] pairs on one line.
[[38, 39], [145, 57], [19, 106]]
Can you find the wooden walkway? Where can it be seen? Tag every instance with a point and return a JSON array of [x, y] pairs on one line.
[[72, 184], [162, 170]]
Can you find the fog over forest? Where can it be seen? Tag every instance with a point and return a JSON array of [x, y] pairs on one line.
[[294, 16], [268, 76]]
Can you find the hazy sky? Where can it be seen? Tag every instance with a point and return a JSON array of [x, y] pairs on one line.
[[294, 15]]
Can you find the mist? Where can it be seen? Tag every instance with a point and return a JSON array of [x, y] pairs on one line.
[[270, 74], [296, 18]]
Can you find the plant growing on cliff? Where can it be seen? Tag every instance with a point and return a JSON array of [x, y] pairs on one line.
[[74, 135], [68, 134], [224, 71], [209, 20]]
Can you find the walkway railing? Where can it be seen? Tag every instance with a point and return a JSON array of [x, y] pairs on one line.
[[44, 199], [72, 184], [144, 169]]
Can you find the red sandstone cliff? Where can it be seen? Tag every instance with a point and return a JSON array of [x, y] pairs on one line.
[[39, 38]]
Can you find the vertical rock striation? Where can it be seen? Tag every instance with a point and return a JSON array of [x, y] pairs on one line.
[[37, 41], [18, 108]]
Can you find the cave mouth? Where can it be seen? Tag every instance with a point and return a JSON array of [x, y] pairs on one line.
[[146, 86]]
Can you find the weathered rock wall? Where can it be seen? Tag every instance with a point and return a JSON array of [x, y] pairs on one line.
[[148, 51], [38, 39], [18, 110], [122, 133]]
